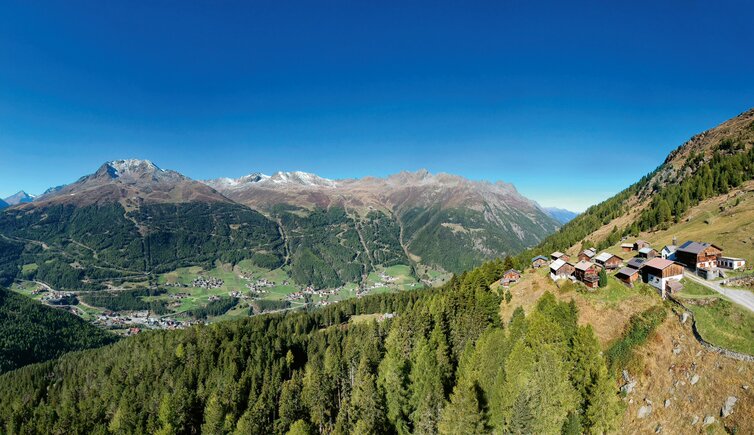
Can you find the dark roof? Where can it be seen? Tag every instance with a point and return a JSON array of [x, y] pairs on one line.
[[627, 271], [539, 257], [636, 262], [511, 270], [695, 247]]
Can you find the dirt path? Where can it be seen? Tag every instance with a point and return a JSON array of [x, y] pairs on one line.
[[741, 297]]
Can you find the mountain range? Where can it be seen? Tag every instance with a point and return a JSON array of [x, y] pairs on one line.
[[130, 219]]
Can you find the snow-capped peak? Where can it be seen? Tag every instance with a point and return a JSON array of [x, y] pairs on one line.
[[301, 178], [130, 166]]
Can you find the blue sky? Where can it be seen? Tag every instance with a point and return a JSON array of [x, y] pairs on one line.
[[570, 102]]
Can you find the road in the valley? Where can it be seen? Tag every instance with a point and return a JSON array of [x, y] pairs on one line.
[[741, 297]]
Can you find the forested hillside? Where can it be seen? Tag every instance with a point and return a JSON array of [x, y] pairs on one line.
[[709, 164], [31, 332], [443, 363], [73, 247]]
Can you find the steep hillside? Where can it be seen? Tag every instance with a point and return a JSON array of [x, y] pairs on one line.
[[440, 220], [31, 332], [710, 164], [3, 204]]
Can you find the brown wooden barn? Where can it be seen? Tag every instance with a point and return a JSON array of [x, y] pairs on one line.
[[698, 255], [628, 275], [608, 260]]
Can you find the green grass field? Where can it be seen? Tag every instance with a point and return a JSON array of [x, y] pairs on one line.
[[613, 293], [720, 322]]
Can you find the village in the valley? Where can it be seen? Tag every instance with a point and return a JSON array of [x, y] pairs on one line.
[[252, 290], [663, 269]]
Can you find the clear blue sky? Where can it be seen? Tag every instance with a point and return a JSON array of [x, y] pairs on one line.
[[570, 101]]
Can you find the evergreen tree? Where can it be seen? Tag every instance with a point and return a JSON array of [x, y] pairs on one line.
[[602, 278], [466, 413], [427, 397]]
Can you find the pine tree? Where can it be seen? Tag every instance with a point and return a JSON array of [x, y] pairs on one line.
[[522, 418], [602, 278], [214, 416], [427, 398], [367, 407], [299, 427], [466, 413]]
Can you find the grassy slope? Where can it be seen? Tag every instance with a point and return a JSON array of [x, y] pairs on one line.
[[720, 322], [728, 221]]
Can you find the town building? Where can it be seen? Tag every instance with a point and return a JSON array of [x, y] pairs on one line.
[[731, 263], [587, 254], [608, 260], [657, 272], [668, 252], [557, 255], [627, 247], [636, 262], [648, 252], [509, 277], [698, 255], [538, 261], [640, 244], [560, 269], [628, 275], [586, 272]]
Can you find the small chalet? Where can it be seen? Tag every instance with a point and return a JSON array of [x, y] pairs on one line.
[[627, 247], [636, 263], [509, 277], [557, 255], [559, 269], [538, 261], [731, 263], [698, 255], [586, 272], [668, 252], [587, 254], [640, 244], [657, 272], [648, 252], [608, 260], [628, 275]]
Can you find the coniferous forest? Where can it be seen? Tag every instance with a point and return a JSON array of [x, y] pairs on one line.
[[443, 362], [31, 332]]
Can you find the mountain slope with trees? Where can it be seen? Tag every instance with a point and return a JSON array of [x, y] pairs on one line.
[[443, 363], [130, 220], [708, 165], [31, 332]]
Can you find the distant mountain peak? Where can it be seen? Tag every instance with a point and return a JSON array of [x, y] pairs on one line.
[[19, 197], [281, 178], [560, 214], [129, 166], [132, 179], [301, 178]]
